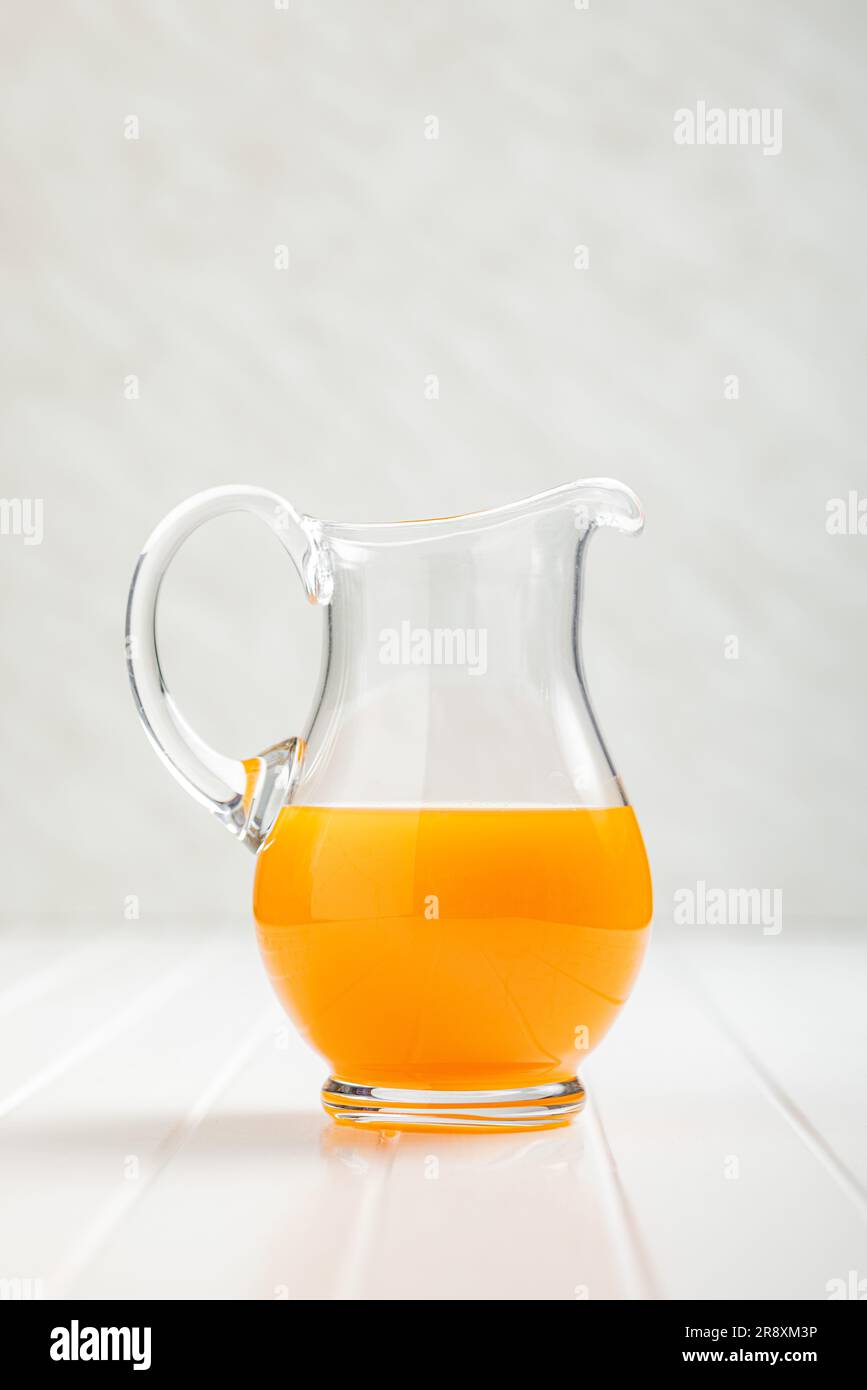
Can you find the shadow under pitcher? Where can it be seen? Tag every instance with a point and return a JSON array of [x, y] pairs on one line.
[[452, 894]]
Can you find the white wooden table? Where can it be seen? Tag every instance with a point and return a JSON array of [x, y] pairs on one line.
[[160, 1136]]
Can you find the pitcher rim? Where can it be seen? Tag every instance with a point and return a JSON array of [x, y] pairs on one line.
[[624, 512]]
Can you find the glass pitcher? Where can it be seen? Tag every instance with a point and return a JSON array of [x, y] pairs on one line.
[[452, 895]]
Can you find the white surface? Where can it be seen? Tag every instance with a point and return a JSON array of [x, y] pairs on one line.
[[161, 1137]]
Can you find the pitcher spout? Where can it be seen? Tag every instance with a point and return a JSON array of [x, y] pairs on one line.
[[606, 502]]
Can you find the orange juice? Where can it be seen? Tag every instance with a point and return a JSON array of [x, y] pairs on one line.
[[453, 948]]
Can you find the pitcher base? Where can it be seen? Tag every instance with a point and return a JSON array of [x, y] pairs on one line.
[[380, 1107]]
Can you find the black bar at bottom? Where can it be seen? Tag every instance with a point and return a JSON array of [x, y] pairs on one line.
[[158, 1339]]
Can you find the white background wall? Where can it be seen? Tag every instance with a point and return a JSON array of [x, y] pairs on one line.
[[409, 256]]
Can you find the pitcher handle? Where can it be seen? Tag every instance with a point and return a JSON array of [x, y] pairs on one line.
[[245, 796]]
